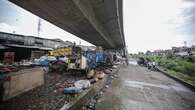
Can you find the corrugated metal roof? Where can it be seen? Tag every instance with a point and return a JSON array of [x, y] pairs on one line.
[[3, 47], [26, 46]]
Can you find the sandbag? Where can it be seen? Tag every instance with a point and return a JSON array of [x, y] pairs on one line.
[[91, 74], [101, 75]]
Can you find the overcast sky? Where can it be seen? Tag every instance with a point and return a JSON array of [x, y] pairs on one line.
[[148, 24]]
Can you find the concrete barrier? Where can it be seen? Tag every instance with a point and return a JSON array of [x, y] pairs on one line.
[[22, 81]]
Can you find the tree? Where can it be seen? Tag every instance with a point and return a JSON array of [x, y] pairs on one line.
[[148, 52]]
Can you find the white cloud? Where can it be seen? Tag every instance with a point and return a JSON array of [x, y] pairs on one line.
[[151, 24], [4, 27]]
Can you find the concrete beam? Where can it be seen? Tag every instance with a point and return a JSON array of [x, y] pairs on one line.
[[96, 21], [87, 9]]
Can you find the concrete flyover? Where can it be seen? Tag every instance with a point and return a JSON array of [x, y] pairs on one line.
[[99, 22]]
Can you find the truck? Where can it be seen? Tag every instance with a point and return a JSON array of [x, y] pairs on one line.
[[75, 55]]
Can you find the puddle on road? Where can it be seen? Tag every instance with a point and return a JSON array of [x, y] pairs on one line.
[[142, 85], [132, 62]]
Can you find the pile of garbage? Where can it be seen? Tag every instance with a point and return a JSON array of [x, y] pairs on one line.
[[72, 88], [91, 104], [77, 87]]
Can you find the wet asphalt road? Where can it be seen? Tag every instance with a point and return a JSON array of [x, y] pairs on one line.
[[140, 89]]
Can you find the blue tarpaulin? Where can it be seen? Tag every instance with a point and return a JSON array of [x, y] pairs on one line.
[[91, 60], [99, 57]]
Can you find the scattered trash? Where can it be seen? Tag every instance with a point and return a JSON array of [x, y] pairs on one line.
[[94, 80], [115, 76], [114, 66], [83, 84], [26, 63], [99, 74], [90, 74], [91, 105], [107, 86], [102, 74], [55, 91], [108, 71], [101, 93], [72, 90], [98, 101], [112, 77]]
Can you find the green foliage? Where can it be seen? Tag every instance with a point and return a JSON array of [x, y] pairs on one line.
[[191, 59], [181, 67], [185, 65]]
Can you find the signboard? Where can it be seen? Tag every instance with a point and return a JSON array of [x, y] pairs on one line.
[[61, 52]]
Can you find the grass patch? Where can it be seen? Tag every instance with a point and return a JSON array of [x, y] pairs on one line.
[[180, 67]]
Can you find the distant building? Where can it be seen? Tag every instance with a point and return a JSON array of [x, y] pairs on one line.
[[158, 52], [192, 50], [178, 51], [181, 51], [26, 47]]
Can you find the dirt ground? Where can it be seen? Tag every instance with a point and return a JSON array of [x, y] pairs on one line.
[[140, 89], [49, 96]]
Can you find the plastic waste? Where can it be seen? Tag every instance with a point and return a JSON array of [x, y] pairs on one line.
[[72, 90], [83, 84], [107, 71], [114, 66]]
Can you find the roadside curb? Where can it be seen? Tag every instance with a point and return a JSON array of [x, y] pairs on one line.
[[87, 94], [190, 86]]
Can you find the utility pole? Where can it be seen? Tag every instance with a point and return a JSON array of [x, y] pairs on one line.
[[39, 27], [185, 43]]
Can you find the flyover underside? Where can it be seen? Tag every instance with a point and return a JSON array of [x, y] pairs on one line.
[[96, 21]]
